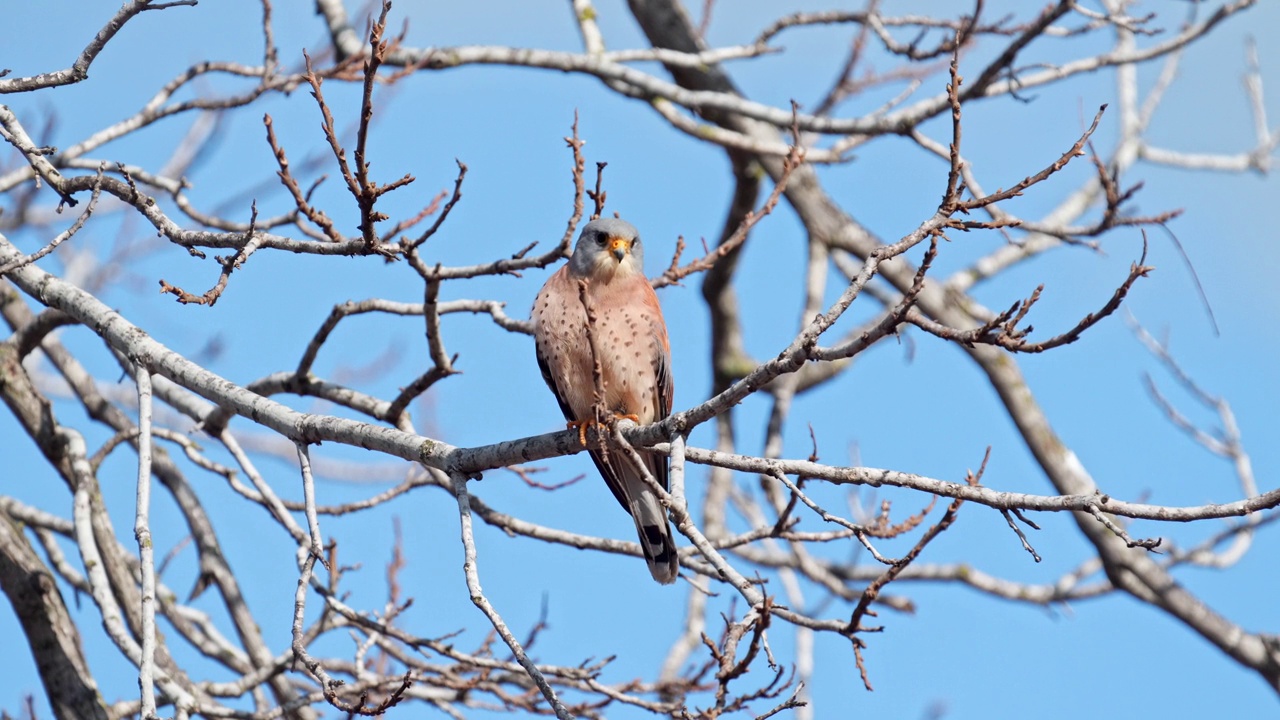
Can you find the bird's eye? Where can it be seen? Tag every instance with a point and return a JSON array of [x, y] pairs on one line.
[[600, 239]]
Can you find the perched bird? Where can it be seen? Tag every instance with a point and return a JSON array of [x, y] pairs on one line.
[[635, 362]]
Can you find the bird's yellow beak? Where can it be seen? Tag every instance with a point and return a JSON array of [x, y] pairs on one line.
[[619, 247]]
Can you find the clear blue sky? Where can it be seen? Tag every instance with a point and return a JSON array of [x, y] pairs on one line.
[[930, 413]]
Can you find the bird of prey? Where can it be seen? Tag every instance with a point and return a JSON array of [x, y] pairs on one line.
[[635, 363]]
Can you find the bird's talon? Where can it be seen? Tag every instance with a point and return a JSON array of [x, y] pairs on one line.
[[581, 426]]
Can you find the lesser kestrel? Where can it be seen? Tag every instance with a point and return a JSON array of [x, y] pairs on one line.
[[635, 362]]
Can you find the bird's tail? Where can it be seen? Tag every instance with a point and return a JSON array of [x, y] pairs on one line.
[[655, 534]]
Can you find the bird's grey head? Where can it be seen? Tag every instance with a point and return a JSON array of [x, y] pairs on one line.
[[606, 248]]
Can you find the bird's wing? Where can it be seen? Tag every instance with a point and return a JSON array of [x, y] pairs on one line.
[[650, 516], [662, 373], [550, 380], [551, 313]]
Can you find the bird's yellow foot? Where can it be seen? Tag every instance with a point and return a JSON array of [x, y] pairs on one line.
[[581, 426]]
